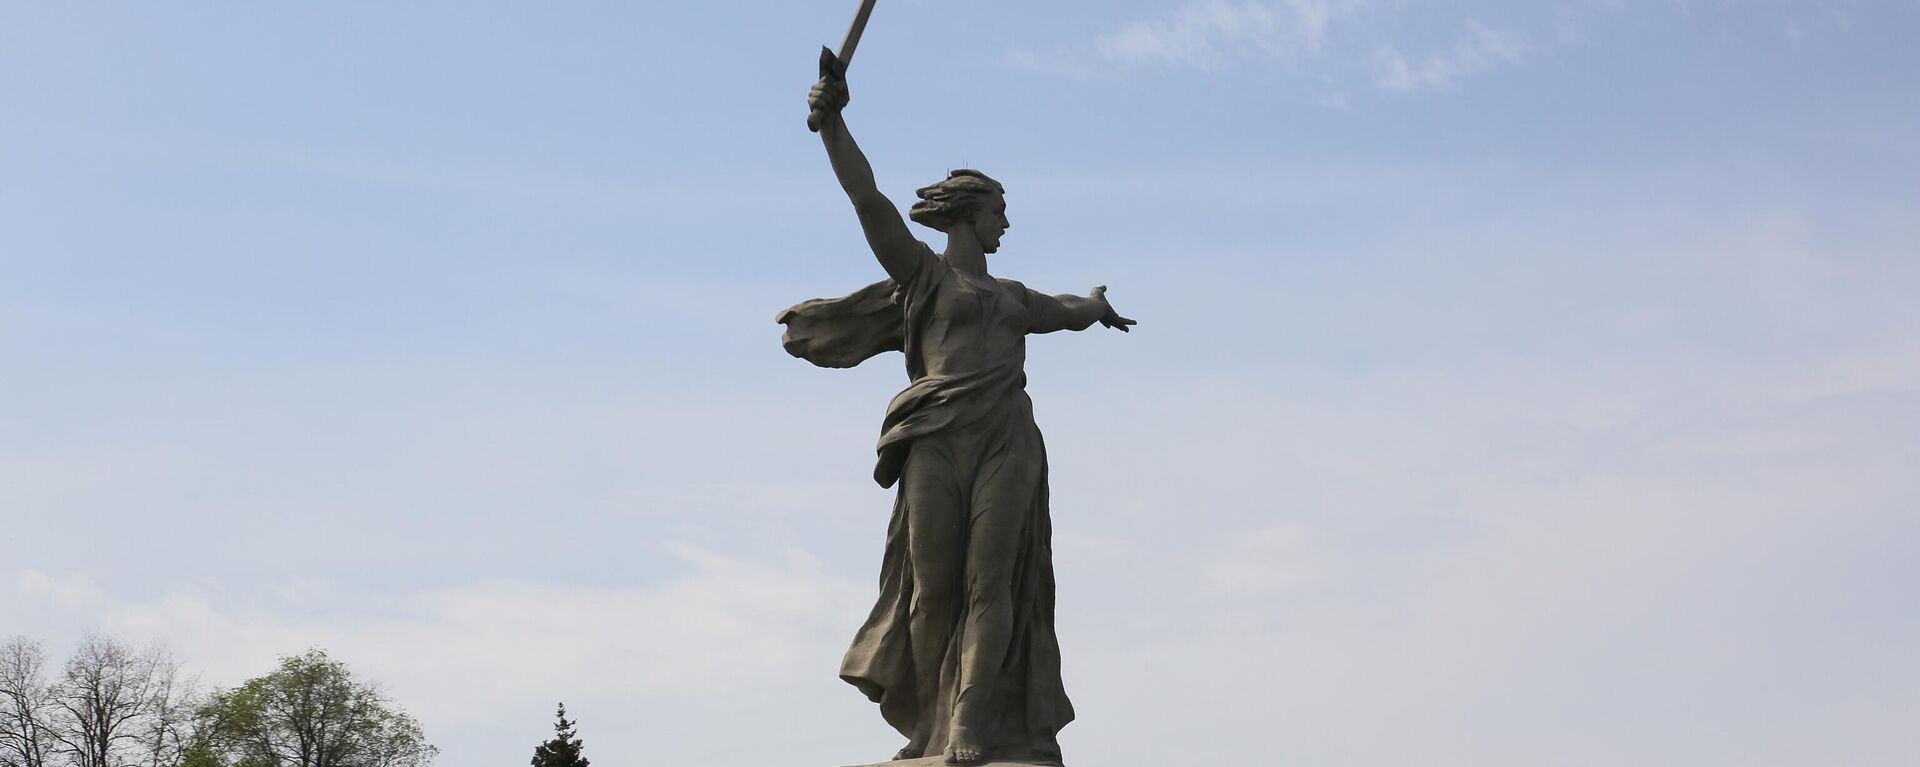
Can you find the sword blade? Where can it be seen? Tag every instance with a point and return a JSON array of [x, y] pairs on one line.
[[835, 65], [858, 28]]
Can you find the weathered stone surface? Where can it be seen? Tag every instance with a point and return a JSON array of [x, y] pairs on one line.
[[960, 650], [936, 761]]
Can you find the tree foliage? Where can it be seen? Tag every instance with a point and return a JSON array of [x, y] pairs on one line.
[[564, 749], [309, 712]]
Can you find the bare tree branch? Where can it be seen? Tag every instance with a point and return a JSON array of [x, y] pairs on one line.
[[24, 704]]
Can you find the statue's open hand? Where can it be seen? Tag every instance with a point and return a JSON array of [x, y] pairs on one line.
[[1112, 318]]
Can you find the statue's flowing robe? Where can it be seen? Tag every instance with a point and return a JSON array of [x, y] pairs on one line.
[[970, 437]]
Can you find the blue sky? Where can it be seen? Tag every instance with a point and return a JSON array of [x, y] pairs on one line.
[[1533, 382]]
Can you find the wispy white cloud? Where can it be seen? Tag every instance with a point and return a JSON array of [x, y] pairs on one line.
[[1214, 35], [723, 626], [1480, 49], [1571, 19], [1206, 35]]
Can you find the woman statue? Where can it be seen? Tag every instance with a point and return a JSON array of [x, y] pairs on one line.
[[960, 651]]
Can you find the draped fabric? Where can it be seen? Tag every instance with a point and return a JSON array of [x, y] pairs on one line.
[[844, 332], [969, 547]]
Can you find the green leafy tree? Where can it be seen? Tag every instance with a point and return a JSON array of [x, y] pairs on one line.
[[200, 753], [309, 712], [564, 749]]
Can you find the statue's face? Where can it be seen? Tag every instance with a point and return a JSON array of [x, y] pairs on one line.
[[991, 222]]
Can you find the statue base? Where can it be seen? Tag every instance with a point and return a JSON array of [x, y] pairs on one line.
[[941, 761]]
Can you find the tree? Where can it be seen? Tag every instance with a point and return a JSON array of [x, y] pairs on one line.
[[112, 706], [24, 704], [167, 732], [108, 700], [309, 712], [564, 749]]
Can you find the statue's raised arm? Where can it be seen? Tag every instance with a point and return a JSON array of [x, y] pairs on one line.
[[899, 253]]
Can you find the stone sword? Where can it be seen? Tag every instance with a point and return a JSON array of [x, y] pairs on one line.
[[832, 65]]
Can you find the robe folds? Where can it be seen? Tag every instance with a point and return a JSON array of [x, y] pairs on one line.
[[970, 515]]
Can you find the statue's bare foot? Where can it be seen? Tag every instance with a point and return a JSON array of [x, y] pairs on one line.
[[963, 751], [909, 751]]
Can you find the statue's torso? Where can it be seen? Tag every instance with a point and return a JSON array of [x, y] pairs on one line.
[[976, 323]]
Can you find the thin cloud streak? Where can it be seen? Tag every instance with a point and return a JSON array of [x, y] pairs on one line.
[[1208, 36], [1212, 36], [1480, 49]]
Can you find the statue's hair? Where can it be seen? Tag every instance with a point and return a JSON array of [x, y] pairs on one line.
[[956, 199]]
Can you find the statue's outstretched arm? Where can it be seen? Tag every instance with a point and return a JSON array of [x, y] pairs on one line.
[[1047, 314], [893, 244]]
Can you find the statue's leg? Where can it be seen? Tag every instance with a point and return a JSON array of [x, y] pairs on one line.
[[1000, 513], [936, 521]]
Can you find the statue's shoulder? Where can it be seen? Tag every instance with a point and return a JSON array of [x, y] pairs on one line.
[[1016, 287]]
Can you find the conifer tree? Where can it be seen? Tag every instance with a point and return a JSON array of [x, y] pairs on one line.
[[564, 749]]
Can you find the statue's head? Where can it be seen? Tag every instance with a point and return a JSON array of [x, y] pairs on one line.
[[967, 199]]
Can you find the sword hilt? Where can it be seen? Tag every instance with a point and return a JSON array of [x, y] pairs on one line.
[[830, 67]]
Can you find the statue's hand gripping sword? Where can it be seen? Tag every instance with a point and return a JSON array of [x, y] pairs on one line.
[[835, 66]]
